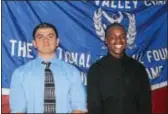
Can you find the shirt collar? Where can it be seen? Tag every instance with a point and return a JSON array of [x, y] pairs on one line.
[[118, 60], [52, 60], [114, 58]]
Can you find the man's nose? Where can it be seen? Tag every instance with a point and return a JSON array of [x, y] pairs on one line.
[[118, 39], [45, 39]]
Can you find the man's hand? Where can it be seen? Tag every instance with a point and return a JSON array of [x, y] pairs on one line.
[[78, 111]]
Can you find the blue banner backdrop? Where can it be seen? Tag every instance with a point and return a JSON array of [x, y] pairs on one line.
[[81, 27]]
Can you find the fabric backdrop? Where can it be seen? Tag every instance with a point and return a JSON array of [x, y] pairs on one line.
[[81, 27]]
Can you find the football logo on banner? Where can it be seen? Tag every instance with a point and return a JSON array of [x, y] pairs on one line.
[[100, 27]]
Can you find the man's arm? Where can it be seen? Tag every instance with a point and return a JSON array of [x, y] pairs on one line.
[[144, 101], [77, 93], [93, 90], [17, 96]]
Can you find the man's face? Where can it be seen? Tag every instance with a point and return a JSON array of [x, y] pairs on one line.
[[45, 41], [116, 41]]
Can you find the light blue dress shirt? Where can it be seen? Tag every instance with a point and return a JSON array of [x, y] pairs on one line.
[[27, 87]]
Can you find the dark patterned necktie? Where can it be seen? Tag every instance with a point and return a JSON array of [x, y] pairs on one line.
[[49, 90]]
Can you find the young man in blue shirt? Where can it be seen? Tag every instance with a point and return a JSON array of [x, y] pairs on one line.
[[31, 91]]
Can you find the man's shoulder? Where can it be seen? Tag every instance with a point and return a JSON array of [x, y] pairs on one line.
[[23, 69], [65, 65], [69, 70], [135, 63], [102, 60], [99, 62], [26, 66]]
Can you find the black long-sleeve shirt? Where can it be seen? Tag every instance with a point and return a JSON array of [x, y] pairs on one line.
[[118, 86]]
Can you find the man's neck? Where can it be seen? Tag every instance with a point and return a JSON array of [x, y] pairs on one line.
[[117, 56], [47, 57]]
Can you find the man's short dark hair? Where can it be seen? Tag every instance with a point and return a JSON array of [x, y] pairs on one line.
[[45, 25], [114, 25]]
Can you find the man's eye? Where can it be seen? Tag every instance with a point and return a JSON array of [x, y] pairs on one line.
[[122, 37], [39, 37], [50, 36], [111, 37]]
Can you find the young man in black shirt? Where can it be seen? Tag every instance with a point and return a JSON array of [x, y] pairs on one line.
[[118, 84]]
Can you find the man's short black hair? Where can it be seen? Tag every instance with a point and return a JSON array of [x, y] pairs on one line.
[[114, 25], [45, 25]]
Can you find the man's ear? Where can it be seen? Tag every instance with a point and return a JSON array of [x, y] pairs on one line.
[[34, 43], [105, 41], [57, 41]]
